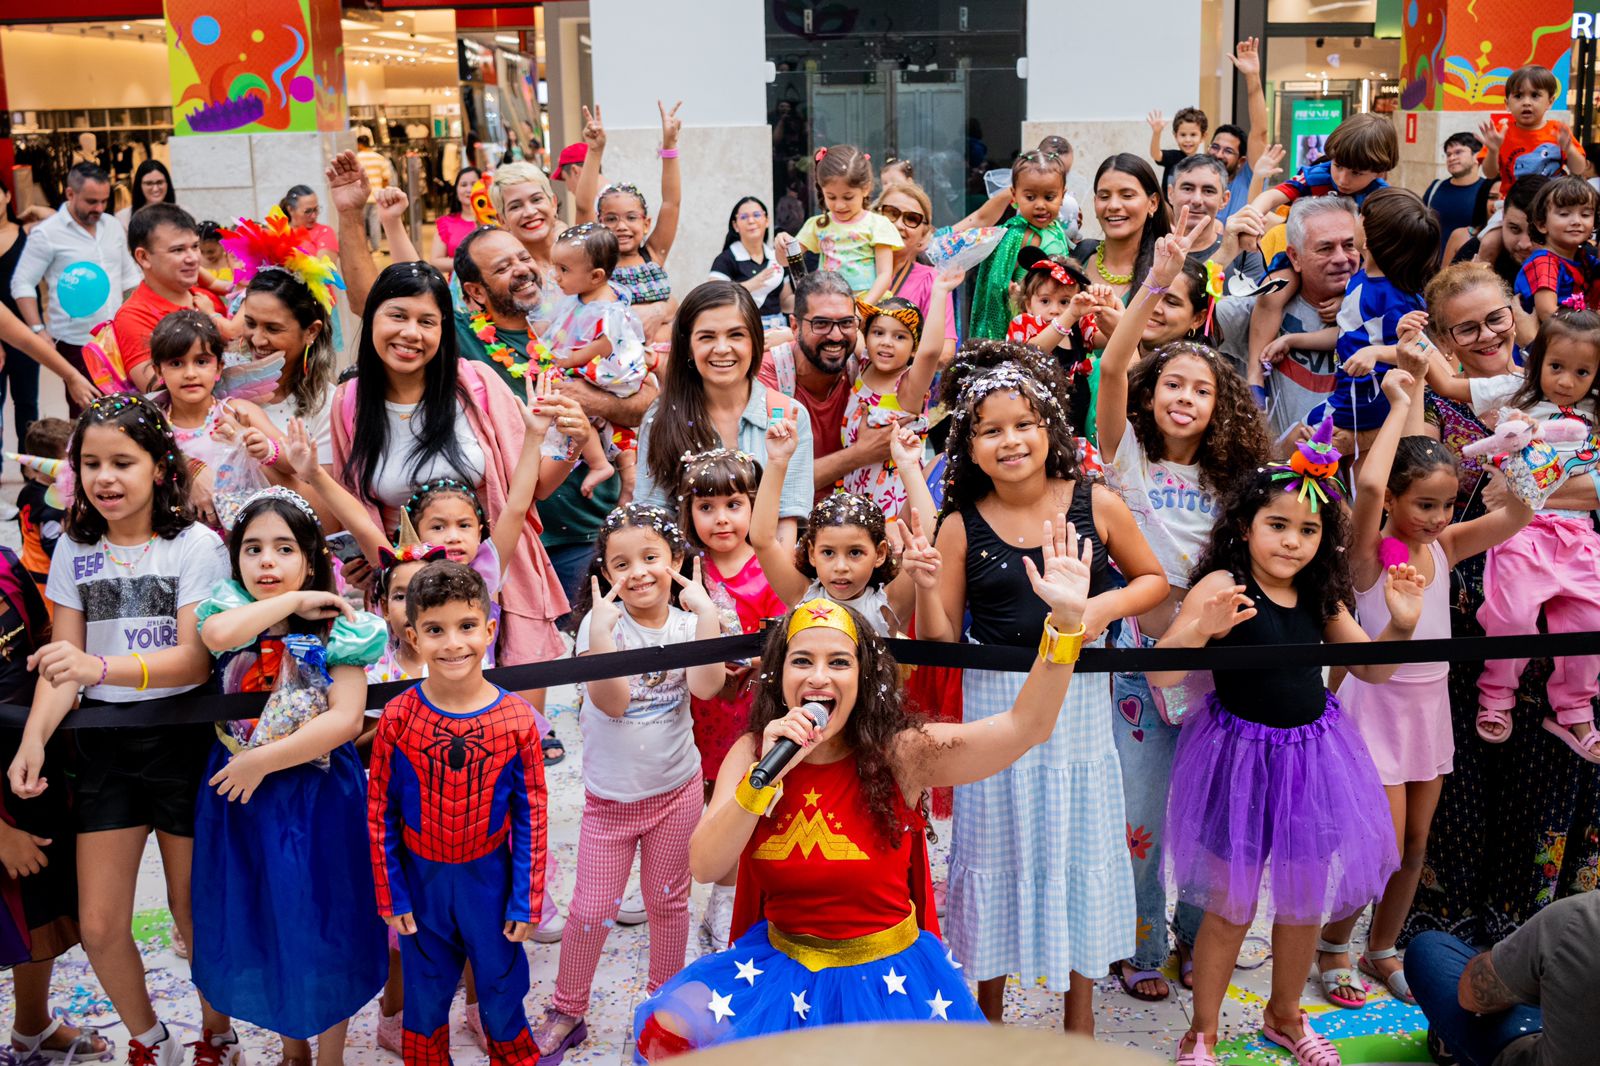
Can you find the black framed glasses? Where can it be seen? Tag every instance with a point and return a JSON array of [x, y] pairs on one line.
[[1494, 323], [824, 326]]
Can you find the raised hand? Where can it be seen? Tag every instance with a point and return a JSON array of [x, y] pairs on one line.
[[1492, 134], [392, 203], [905, 448], [1172, 249], [594, 129], [1411, 353], [783, 436], [299, 452], [603, 610], [671, 124], [1156, 121], [692, 594], [1397, 386], [1402, 594], [1246, 58], [348, 187], [918, 557], [1270, 163], [949, 280], [1223, 610], [1064, 582]]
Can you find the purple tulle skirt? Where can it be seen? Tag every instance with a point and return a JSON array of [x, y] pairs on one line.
[[1305, 801]]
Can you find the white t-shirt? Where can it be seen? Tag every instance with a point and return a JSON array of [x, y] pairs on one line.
[[1172, 510], [319, 425], [134, 608], [649, 750], [398, 474]]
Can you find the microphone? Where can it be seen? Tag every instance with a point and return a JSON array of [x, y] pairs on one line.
[[784, 750]]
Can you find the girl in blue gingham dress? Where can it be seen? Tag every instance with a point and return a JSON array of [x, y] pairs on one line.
[[1041, 883]]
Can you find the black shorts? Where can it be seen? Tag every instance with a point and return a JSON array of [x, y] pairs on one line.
[[140, 776]]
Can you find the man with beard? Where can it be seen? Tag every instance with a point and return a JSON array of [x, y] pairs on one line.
[[498, 275], [814, 368]]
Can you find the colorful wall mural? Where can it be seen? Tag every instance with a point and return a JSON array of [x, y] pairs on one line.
[[256, 66], [1455, 55]]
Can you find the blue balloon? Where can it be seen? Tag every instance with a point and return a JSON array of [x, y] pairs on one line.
[[82, 289]]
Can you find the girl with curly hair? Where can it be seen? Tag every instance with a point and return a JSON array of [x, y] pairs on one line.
[[1270, 769], [1051, 828], [834, 919], [1174, 429]]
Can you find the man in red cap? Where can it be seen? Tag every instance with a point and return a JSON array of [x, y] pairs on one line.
[[569, 168]]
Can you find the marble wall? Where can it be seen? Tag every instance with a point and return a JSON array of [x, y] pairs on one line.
[[719, 165]]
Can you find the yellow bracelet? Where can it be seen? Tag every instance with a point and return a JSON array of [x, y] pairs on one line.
[[1058, 647], [758, 801], [144, 673]]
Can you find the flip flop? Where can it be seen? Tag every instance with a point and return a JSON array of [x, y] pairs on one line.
[[1491, 716], [1396, 982], [1186, 965], [1587, 748], [1131, 981], [1343, 977], [1313, 1049], [550, 744]]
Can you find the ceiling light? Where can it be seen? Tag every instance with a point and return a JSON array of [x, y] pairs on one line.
[[126, 26]]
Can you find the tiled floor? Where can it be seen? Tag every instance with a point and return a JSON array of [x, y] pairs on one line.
[[1385, 1032]]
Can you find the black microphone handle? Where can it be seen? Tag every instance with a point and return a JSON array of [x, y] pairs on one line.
[[774, 761]]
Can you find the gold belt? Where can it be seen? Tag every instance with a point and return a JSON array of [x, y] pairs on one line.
[[817, 953]]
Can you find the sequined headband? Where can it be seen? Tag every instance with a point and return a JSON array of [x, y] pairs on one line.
[[278, 492], [445, 484], [825, 614], [908, 317], [643, 514]]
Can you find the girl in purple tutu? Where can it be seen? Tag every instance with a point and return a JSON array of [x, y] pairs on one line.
[[1270, 771]]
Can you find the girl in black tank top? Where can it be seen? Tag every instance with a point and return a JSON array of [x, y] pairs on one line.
[[1013, 470], [1271, 772]]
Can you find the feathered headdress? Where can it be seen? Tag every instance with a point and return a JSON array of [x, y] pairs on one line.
[[274, 243], [1313, 468]]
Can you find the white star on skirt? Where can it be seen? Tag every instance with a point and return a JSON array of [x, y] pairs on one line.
[[951, 959], [801, 1007], [894, 982], [721, 1005], [938, 1004], [748, 972]]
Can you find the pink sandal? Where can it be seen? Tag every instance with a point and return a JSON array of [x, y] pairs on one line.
[[1490, 716], [1587, 748], [1313, 1049], [1198, 1054]]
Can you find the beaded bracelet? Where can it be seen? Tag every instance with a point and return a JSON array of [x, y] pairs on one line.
[[272, 460], [105, 668]]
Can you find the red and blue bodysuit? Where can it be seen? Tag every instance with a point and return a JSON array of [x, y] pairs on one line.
[[456, 808]]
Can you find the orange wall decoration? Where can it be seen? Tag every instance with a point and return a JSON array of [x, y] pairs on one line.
[[256, 66], [1455, 55]]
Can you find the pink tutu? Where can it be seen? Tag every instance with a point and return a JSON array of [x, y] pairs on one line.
[[1305, 801]]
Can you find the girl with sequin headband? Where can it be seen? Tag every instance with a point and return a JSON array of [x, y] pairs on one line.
[[642, 245], [285, 793], [1177, 424], [126, 578], [902, 356], [835, 918], [641, 774], [848, 552], [1055, 819], [851, 240], [1270, 770]]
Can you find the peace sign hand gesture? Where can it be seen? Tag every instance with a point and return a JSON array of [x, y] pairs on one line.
[[918, 557], [594, 129], [1064, 582], [670, 124], [1174, 248], [604, 613], [692, 594]]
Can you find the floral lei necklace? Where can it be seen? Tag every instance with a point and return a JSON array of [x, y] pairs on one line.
[[501, 352]]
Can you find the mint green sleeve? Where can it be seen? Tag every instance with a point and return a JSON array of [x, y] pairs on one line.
[[357, 643], [225, 597]]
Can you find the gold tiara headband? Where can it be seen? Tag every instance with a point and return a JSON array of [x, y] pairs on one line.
[[822, 613]]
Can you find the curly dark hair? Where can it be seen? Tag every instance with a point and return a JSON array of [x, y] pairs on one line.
[[630, 516], [986, 366], [1234, 440], [444, 582], [1324, 584], [878, 717], [847, 509], [145, 425]]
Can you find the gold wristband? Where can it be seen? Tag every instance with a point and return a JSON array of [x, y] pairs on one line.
[[758, 801], [144, 673], [1058, 647]]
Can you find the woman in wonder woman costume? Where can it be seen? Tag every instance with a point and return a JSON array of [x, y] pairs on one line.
[[834, 919]]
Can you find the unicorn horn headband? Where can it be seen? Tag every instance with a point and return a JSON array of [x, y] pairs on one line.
[[1313, 468], [59, 471], [274, 244]]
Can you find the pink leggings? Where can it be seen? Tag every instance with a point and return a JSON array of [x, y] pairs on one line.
[[1553, 564], [658, 828]]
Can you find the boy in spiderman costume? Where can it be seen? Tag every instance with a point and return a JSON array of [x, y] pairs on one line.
[[456, 808]]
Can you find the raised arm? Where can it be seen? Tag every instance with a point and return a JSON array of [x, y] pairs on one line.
[[989, 212], [301, 454], [1246, 59], [912, 391], [588, 190], [1157, 124], [348, 188], [666, 229], [392, 203], [1493, 135], [1402, 594], [1373, 480], [1213, 607], [541, 409], [777, 558]]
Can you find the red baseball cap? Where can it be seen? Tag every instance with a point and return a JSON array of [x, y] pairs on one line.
[[572, 153]]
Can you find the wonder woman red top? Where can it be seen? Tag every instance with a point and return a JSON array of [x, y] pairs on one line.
[[818, 865]]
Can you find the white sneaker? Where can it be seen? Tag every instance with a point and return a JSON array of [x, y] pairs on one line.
[[632, 910], [167, 1051], [550, 932], [718, 919], [212, 1050]]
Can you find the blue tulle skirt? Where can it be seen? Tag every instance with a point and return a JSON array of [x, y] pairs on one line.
[[779, 994], [286, 928]]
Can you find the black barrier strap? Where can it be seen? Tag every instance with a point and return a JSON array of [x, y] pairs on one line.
[[188, 709]]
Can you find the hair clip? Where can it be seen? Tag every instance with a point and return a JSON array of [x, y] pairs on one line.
[[820, 153]]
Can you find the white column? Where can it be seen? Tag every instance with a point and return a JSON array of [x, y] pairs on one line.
[[711, 54], [1096, 68]]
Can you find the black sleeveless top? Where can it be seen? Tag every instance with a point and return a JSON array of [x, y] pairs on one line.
[[1001, 600], [1280, 698]]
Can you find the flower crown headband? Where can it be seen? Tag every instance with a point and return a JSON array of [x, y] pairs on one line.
[[908, 317], [1313, 468], [276, 245]]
